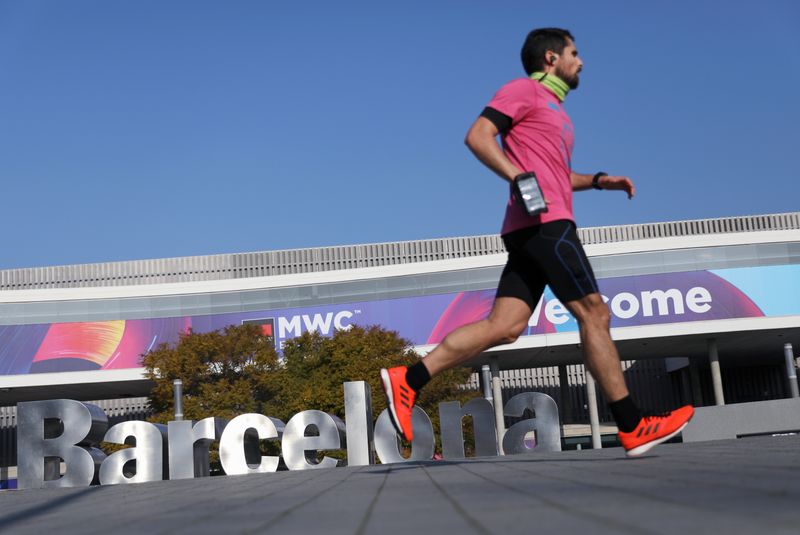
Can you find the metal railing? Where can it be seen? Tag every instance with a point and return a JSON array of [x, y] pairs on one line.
[[293, 261]]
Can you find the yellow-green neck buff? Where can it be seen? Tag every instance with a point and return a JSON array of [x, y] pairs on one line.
[[552, 82]]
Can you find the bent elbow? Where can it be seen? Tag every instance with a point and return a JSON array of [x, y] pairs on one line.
[[471, 139]]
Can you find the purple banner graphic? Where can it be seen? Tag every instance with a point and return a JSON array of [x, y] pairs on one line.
[[636, 300]]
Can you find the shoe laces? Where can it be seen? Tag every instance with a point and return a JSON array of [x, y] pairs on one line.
[[656, 415]]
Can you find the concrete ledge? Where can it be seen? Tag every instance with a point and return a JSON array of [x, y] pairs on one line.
[[732, 421]]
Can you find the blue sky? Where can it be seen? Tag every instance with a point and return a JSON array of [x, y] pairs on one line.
[[153, 129]]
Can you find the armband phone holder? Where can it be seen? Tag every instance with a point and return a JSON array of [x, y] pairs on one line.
[[530, 194]]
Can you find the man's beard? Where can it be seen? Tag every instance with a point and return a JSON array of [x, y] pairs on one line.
[[571, 81]]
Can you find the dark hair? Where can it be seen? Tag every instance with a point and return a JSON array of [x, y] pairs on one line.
[[540, 41]]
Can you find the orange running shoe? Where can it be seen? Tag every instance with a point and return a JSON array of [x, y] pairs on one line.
[[400, 399], [653, 430]]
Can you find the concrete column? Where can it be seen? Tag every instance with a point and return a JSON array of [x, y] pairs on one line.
[[177, 386], [497, 394], [594, 416], [791, 371], [486, 383], [716, 376]]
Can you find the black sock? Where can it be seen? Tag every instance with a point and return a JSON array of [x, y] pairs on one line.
[[417, 376], [626, 414]]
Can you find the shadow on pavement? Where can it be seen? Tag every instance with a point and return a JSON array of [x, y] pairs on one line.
[[32, 512]]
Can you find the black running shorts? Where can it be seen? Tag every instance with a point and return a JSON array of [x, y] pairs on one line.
[[552, 254]]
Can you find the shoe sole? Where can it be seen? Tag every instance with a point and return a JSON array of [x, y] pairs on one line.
[[387, 390], [644, 448]]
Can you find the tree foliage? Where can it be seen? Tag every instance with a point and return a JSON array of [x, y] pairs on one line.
[[316, 367], [237, 370], [224, 373]]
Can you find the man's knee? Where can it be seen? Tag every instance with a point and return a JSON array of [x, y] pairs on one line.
[[508, 332], [593, 312], [599, 316]]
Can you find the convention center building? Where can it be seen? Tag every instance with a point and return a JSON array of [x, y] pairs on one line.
[[703, 312]]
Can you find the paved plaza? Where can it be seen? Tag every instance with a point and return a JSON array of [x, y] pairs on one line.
[[749, 485]]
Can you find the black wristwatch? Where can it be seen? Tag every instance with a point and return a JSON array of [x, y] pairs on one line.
[[596, 179]]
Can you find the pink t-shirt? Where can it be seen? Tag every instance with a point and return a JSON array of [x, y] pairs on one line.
[[541, 139]]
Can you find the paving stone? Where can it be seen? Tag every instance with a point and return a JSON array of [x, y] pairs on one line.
[[734, 486]]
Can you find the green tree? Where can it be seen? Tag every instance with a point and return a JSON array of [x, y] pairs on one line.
[[315, 367], [237, 370], [224, 373]]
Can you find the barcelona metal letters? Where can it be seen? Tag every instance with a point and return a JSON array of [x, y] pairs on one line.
[[63, 432]]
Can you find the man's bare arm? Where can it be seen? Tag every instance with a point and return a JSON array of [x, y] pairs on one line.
[[582, 182], [481, 140]]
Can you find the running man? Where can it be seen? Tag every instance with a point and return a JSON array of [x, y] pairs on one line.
[[537, 136]]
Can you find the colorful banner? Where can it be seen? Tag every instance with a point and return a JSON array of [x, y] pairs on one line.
[[635, 300]]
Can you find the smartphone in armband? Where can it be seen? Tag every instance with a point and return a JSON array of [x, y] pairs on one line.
[[530, 194]]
